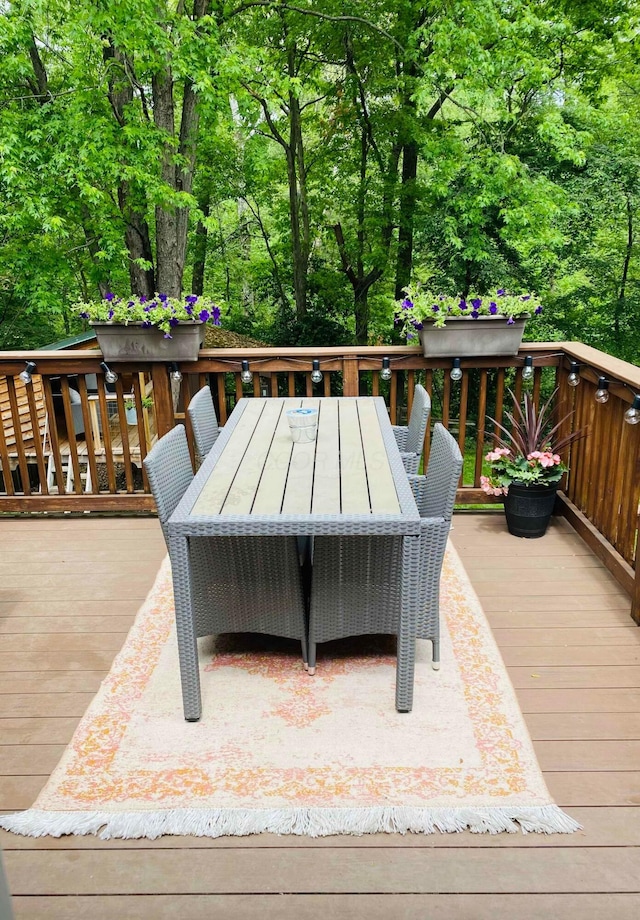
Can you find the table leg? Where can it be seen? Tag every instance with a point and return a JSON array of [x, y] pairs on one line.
[[407, 631], [185, 626]]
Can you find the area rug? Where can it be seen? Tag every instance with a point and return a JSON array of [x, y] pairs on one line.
[[279, 751]]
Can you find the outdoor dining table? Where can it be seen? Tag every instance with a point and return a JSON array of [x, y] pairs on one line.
[[256, 482]]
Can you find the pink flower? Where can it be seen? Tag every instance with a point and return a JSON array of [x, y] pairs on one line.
[[487, 486], [497, 454]]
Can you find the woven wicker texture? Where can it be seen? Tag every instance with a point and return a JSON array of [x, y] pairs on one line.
[[233, 584], [204, 422], [357, 581]]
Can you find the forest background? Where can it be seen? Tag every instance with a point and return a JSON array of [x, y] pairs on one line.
[[300, 162]]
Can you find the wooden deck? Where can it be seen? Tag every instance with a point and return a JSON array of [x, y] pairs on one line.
[[68, 591]]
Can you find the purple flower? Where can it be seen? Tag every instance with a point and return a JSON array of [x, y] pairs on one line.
[[110, 314], [216, 316], [142, 298], [526, 297], [538, 310], [435, 308], [162, 297], [501, 292], [84, 315], [167, 335], [173, 321], [416, 324], [147, 324], [406, 304], [510, 321], [474, 314], [410, 335], [463, 304], [493, 308], [109, 296], [476, 303], [192, 298], [203, 316], [188, 309], [131, 304]]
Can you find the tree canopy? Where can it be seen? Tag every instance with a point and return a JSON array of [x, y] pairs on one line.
[[302, 162]]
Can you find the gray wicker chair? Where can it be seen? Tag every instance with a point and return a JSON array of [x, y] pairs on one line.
[[204, 422], [410, 438], [239, 584], [356, 586]]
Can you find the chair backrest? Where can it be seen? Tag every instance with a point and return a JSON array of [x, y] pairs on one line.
[[418, 420], [435, 493], [204, 422], [169, 470]]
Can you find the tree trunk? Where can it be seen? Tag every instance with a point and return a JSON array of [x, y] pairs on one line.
[[408, 197], [172, 223], [298, 206], [619, 308], [200, 253], [131, 197]]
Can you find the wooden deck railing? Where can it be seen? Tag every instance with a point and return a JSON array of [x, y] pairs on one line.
[[65, 444]]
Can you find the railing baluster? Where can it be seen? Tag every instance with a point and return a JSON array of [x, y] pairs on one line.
[[482, 411], [92, 469], [17, 429]]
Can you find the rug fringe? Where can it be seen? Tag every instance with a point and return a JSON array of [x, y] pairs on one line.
[[309, 822]]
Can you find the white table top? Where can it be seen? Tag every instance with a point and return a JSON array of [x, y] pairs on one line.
[[352, 470]]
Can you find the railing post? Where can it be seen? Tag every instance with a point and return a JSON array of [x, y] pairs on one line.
[[162, 398], [350, 375], [635, 598]]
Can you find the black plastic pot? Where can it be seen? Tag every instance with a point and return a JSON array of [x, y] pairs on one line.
[[528, 509]]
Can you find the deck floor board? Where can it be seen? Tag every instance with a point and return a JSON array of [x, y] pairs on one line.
[[573, 654]]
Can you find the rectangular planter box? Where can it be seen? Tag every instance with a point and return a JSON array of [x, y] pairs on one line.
[[132, 342], [472, 338]]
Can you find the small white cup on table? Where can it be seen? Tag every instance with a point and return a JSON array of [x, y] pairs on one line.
[[303, 424]]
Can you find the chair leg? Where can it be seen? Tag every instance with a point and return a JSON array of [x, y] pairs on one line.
[[312, 658], [435, 655]]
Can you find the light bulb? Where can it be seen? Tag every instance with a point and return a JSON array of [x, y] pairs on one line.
[[245, 374], [385, 373], [25, 376], [602, 393], [109, 375], [632, 415], [574, 377], [174, 372], [316, 373], [527, 370], [456, 371]]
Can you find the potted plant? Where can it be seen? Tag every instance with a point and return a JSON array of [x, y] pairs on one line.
[[158, 328], [130, 409], [527, 466], [472, 326]]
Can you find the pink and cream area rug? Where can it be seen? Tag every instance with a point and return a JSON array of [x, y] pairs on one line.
[[279, 751]]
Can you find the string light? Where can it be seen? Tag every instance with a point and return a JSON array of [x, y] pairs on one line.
[[574, 374], [385, 373], [632, 415], [30, 368], [527, 370], [245, 374], [316, 373], [456, 371], [109, 375], [602, 393]]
